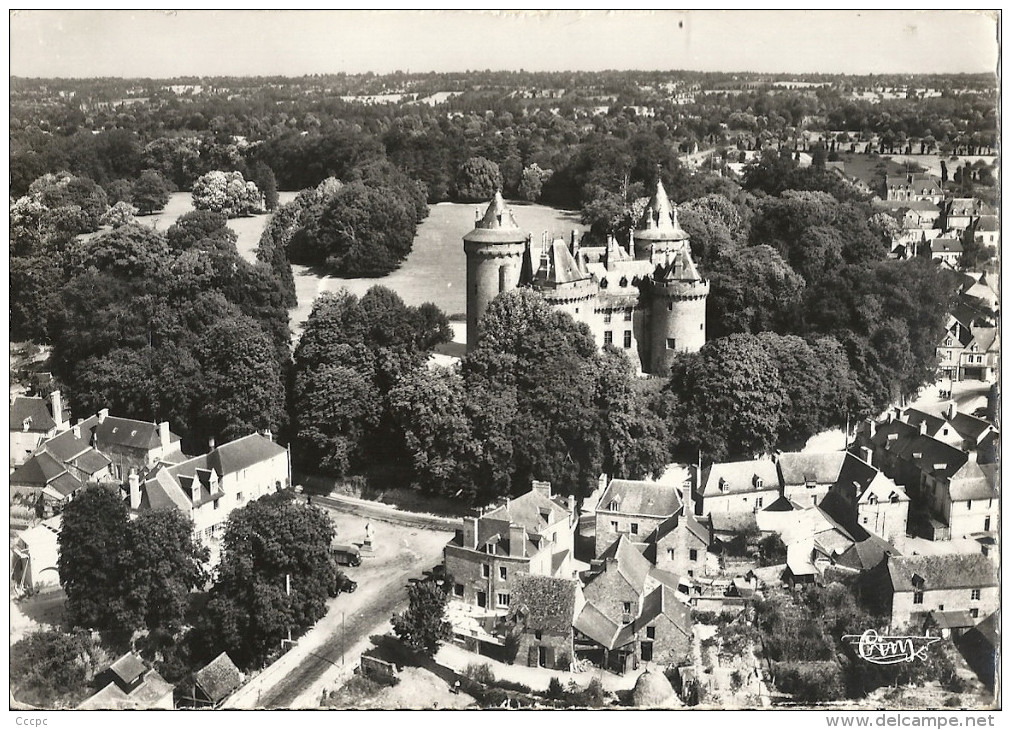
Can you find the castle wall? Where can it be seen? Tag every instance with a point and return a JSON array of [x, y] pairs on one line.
[[678, 323]]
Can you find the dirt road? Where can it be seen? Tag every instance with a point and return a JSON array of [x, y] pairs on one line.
[[401, 553]]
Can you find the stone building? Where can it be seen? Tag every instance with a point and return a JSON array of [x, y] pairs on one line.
[[645, 297]]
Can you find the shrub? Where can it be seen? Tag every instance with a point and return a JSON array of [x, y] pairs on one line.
[[479, 672], [810, 681], [555, 689]]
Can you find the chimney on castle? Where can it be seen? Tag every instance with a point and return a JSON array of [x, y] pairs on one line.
[[163, 434]]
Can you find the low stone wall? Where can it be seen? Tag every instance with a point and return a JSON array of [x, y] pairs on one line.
[[386, 513]]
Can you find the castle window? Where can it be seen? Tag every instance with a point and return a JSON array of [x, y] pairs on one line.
[[608, 337], [671, 343], [628, 315], [607, 318], [628, 339]]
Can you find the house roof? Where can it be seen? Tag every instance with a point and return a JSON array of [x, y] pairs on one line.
[[548, 603], [641, 498], [953, 619], [972, 482], [733, 522], [983, 338], [867, 553], [33, 410], [801, 468], [739, 477], [660, 601], [161, 491], [596, 625], [128, 668], [219, 678], [243, 453], [128, 433], [534, 510], [39, 470], [67, 445], [941, 572], [153, 689], [65, 484], [988, 223], [945, 245], [91, 461], [623, 557]]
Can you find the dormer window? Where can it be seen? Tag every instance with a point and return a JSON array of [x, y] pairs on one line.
[[873, 499], [724, 486], [612, 506], [27, 423], [489, 548], [757, 481], [893, 498]]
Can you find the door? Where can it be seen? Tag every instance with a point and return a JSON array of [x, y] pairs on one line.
[[647, 651], [482, 599], [986, 525], [542, 656]]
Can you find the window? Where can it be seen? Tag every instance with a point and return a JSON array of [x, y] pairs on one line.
[[917, 597], [614, 525], [691, 573], [634, 528], [628, 339], [651, 632], [612, 506], [217, 504], [670, 553], [538, 634], [759, 501], [702, 326], [974, 596], [485, 570], [502, 572], [693, 554], [670, 306], [458, 590], [607, 318], [503, 600], [671, 343], [238, 496], [974, 612], [864, 521], [608, 337], [489, 548], [626, 607], [628, 315]]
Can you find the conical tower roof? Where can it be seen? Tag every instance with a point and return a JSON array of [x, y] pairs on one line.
[[680, 268], [558, 267], [659, 220], [497, 225]]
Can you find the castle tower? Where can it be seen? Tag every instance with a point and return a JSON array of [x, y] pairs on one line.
[[563, 282], [677, 293], [658, 234], [494, 260]]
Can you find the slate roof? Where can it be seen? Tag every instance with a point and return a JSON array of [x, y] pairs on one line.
[[941, 572], [945, 245], [219, 678], [527, 510], [641, 498], [821, 468], [35, 411], [66, 445], [867, 553], [623, 557], [972, 482], [983, 338], [91, 461], [497, 225], [660, 601], [558, 267], [153, 689], [39, 470], [161, 491], [596, 625], [680, 268], [548, 603], [129, 433], [987, 223], [659, 219], [953, 619], [128, 668], [739, 476]]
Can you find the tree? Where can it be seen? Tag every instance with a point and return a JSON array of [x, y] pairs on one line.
[[477, 180], [51, 670], [163, 564], [532, 181], [204, 230], [150, 192], [118, 215], [263, 177], [752, 290], [272, 544], [228, 193], [728, 400], [93, 543], [423, 626]]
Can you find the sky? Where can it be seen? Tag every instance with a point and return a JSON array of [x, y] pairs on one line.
[[163, 44]]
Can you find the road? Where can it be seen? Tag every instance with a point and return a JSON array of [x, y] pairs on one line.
[[315, 661]]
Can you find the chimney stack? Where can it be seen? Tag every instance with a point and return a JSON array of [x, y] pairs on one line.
[[950, 410], [134, 481], [56, 401], [923, 428], [866, 454], [543, 488], [517, 541], [77, 431], [163, 432], [210, 444], [470, 533], [102, 415], [268, 434]]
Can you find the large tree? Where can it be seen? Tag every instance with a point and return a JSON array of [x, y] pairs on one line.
[[51, 670], [477, 180], [273, 578], [228, 193], [150, 192], [423, 627]]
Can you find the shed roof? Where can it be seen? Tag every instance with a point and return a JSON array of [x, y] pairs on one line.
[[218, 679]]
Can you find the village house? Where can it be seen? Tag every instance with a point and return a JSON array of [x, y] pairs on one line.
[[738, 486], [629, 616], [35, 554], [915, 587], [959, 492], [530, 534], [207, 488], [132, 444], [541, 617], [131, 686], [213, 683], [986, 230], [32, 421], [977, 290], [680, 547], [949, 350], [957, 214], [634, 509], [946, 250], [914, 187], [980, 360]]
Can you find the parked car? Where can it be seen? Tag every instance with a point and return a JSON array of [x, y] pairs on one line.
[[342, 584], [346, 555]]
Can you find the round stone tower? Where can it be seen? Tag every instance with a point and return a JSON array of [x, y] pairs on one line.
[[677, 293], [494, 258]]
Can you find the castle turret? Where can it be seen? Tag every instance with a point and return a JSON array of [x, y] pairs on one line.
[[677, 292], [564, 283], [494, 261], [658, 233]]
